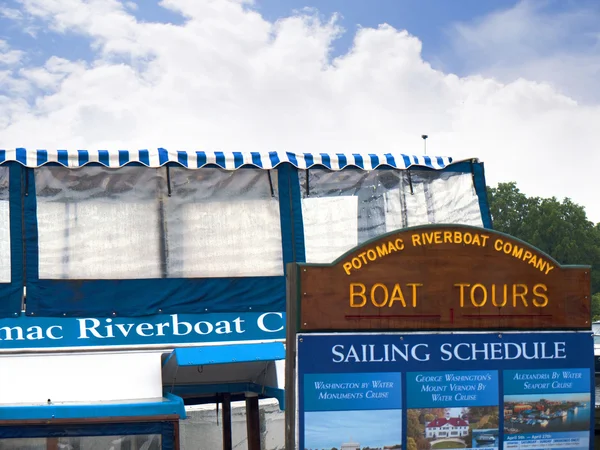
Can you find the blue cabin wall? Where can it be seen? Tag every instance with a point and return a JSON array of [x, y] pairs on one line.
[[139, 297]]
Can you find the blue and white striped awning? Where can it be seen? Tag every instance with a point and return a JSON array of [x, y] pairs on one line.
[[226, 160]]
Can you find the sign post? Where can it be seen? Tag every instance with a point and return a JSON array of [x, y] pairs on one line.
[[439, 337]]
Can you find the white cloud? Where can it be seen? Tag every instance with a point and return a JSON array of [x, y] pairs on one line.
[[229, 79], [8, 56], [534, 41]]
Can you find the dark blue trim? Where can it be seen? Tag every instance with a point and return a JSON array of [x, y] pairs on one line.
[[200, 159], [145, 157], [21, 155], [134, 298], [30, 230], [197, 394], [11, 293], [123, 157], [226, 354], [104, 157], [169, 405], [297, 220], [481, 190], [62, 157], [163, 156], [83, 157], [285, 214], [182, 158]]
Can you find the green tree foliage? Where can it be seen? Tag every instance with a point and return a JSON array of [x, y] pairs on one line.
[[414, 428], [560, 229]]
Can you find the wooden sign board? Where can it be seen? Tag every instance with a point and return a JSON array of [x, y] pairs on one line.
[[440, 278]]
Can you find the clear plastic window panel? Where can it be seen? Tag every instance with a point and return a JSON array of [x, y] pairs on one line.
[[5, 261], [342, 209], [224, 224], [98, 223], [129, 442], [134, 222]]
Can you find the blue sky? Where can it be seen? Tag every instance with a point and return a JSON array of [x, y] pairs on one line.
[[328, 429], [433, 21], [513, 83]]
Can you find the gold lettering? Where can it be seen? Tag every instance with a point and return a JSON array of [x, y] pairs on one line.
[[520, 295], [399, 244], [549, 268], [356, 263], [476, 240], [507, 248], [527, 255], [382, 250], [536, 291], [362, 256], [385, 295], [414, 292], [483, 300], [360, 293], [371, 255], [416, 240], [533, 260], [428, 238], [462, 287], [484, 240], [457, 237], [391, 247], [347, 267], [517, 252], [447, 237], [397, 295], [438, 237], [468, 238], [494, 296], [540, 265], [498, 245]]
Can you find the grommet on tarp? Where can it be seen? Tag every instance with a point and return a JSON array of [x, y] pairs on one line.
[[26, 182]]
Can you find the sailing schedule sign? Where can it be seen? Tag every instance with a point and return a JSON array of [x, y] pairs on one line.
[[487, 390]]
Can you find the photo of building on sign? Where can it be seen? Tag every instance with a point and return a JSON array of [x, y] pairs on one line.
[[445, 428], [546, 412], [353, 430]]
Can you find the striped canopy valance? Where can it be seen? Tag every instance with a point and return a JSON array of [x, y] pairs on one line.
[[227, 160]]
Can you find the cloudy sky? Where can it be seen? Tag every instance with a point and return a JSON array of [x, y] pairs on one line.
[[329, 429], [513, 83]]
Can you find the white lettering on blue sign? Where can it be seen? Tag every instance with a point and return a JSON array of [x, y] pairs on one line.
[[40, 332], [463, 351]]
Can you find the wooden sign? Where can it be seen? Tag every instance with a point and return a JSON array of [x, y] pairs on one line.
[[440, 278]]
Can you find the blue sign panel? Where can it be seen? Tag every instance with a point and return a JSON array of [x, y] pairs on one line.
[[480, 390], [51, 332]]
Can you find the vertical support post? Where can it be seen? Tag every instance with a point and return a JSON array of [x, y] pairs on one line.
[[226, 414], [252, 421], [51, 443]]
